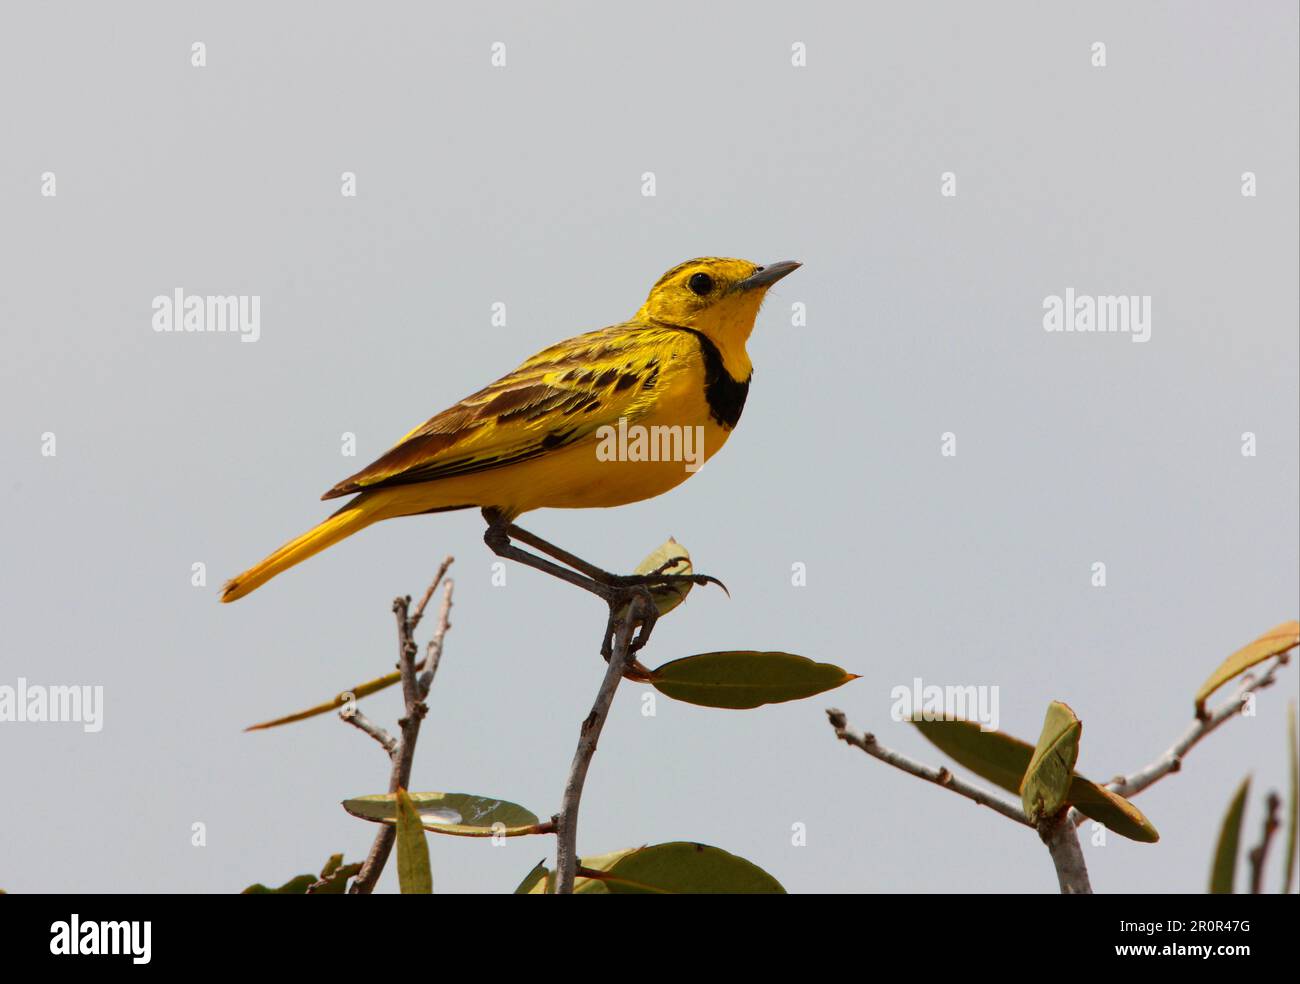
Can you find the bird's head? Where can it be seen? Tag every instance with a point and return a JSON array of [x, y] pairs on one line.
[[717, 297]]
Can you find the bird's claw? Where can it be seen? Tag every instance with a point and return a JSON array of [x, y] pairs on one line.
[[657, 579]]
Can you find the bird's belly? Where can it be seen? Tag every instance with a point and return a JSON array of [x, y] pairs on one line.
[[629, 464], [623, 464]]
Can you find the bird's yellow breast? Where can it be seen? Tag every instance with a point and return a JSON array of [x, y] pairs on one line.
[[655, 447]]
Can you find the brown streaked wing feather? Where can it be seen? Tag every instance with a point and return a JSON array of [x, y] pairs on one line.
[[558, 396]]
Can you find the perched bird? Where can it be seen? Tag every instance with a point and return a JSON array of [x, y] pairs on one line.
[[541, 435]]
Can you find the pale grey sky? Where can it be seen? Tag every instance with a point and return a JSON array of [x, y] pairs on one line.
[[522, 185]]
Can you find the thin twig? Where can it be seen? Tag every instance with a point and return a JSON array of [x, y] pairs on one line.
[[353, 716], [1259, 853], [1171, 760], [433, 586], [414, 690], [938, 776], [433, 652], [566, 821]]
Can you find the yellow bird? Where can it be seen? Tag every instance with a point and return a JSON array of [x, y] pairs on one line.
[[579, 424]]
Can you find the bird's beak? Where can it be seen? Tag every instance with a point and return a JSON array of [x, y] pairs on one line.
[[766, 276]]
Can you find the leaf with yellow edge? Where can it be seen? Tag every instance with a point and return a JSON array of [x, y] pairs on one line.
[[1047, 778], [1223, 875], [1111, 810], [414, 876], [461, 814], [1003, 761], [1274, 642], [670, 558], [745, 679], [1293, 804], [356, 693]]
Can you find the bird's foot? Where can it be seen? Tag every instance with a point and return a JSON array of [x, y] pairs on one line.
[[657, 579], [634, 602]]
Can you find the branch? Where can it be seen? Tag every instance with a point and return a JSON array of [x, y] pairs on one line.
[[433, 586], [939, 776], [1171, 760], [566, 821], [433, 653], [1062, 840], [353, 716], [401, 751], [1056, 832], [1259, 853]]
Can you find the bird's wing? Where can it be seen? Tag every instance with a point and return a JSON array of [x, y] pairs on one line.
[[559, 396]]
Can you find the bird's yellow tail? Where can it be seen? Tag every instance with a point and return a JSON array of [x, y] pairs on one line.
[[355, 516]]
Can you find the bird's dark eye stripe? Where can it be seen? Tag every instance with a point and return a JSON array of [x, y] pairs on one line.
[[700, 283]]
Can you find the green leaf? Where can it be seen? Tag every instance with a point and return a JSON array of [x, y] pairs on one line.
[[334, 877], [601, 862], [337, 884], [461, 814], [581, 885], [682, 868], [1111, 810], [1003, 761], [1274, 642], [294, 886], [535, 878], [413, 873], [1047, 778], [670, 558], [335, 874], [1224, 873], [741, 680], [991, 755], [1293, 806], [677, 868]]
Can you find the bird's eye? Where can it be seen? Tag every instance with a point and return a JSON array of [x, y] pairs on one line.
[[700, 283]]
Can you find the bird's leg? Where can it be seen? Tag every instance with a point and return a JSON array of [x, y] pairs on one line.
[[497, 537], [560, 554], [635, 598]]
